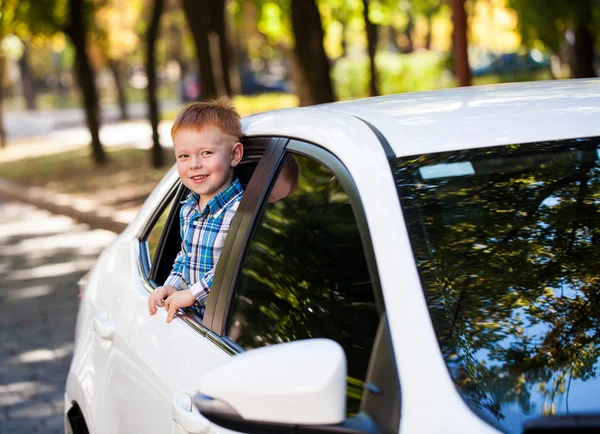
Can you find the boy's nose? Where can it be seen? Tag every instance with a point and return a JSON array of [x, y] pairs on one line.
[[196, 162]]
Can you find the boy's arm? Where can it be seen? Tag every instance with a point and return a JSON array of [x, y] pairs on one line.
[[176, 277], [201, 288]]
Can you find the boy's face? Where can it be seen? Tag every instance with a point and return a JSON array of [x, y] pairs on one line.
[[205, 159]]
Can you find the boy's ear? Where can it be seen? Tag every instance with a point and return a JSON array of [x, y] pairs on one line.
[[237, 152]]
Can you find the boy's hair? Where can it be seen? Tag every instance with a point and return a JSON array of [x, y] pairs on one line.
[[218, 112], [290, 169]]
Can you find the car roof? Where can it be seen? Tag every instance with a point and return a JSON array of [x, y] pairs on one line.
[[463, 118]]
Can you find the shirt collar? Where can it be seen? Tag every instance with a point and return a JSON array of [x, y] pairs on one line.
[[218, 203]]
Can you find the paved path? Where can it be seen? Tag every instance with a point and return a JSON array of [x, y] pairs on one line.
[[42, 258], [21, 124]]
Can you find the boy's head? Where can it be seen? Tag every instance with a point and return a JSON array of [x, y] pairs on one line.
[[287, 181], [207, 136]]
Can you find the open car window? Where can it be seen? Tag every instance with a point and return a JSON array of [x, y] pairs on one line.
[[162, 240]]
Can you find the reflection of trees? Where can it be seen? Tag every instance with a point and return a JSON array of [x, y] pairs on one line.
[[305, 276], [509, 264]]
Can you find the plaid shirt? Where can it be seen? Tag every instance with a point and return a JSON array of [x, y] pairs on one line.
[[203, 235]]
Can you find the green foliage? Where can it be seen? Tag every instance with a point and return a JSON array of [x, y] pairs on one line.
[[398, 73], [547, 20]]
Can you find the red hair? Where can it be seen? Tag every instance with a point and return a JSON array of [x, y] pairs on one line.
[[219, 112]]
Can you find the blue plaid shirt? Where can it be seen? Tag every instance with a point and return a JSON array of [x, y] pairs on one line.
[[203, 235]]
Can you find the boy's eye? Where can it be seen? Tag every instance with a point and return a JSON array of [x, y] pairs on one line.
[[206, 153], [182, 156]]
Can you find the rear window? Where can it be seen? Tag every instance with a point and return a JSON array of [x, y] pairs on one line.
[[507, 245]]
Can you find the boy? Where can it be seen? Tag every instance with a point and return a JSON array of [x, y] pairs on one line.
[[206, 136]]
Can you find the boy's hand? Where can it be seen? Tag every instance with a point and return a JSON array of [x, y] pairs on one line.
[[158, 296], [183, 298]]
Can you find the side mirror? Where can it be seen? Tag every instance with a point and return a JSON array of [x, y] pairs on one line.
[[291, 387]]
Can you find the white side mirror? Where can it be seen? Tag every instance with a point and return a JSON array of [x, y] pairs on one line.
[[297, 383]]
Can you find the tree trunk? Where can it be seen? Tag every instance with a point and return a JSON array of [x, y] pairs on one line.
[[2, 130], [157, 156], [583, 54], [429, 34], [313, 64], [219, 27], [410, 25], [26, 79], [461, 56], [85, 74], [116, 70], [199, 23], [371, 48]]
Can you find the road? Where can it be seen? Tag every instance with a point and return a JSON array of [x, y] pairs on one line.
[[43, 256]]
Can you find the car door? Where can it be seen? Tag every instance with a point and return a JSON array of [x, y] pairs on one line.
[[149, 361], [306, 269]]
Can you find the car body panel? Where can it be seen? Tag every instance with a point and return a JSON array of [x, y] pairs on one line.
[[458, 118], [149, 362], [405, 304]]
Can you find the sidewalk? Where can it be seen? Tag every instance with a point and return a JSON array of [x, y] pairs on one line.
[[129, 134]]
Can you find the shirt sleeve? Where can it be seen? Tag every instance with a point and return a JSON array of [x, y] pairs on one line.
[[176, 277], [201, 288]]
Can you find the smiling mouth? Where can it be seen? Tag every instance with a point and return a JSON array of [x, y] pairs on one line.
[[199, 178]]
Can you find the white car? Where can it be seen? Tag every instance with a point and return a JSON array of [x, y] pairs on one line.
[[435, 271]]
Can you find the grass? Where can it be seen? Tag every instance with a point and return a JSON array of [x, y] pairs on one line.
[[128, 177]]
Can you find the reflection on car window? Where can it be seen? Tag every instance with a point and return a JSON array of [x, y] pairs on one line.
[[507, 244], [157, 231], [305, 275]]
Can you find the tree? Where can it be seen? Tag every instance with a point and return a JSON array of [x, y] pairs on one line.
[[26, 78], [21, 20], [7, 17], [555, 22], [372, 38], [199, 22], [77, 31], [115, 36], [222, 49], [313, 64], [158, 159], [459, 39]]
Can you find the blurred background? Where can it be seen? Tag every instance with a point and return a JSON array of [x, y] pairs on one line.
[[84, 80]]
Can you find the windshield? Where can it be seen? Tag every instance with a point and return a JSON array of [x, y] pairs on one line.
[[507, 244]]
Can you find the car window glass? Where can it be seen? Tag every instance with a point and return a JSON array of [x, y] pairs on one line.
[[156, 232], [507, 240], [304, 275]]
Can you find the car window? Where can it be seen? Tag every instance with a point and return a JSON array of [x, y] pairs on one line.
[[157, 231], [304, 275], [507, 244]]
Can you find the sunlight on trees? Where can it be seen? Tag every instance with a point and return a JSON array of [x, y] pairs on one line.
[[211, 47]]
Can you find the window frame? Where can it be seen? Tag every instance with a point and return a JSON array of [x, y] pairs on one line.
[[243, 236], [382, 363]]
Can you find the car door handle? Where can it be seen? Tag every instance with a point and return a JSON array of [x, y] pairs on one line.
[[188, 416], [104, 327]]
